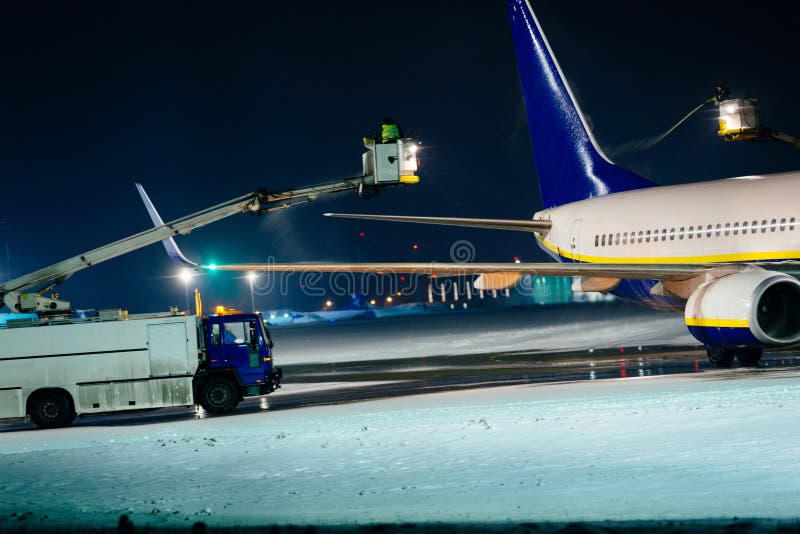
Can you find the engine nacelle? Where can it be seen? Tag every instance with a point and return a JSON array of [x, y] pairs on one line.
[[749, 309]]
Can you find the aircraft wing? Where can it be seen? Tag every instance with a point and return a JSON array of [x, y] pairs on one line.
[[674, 279], [627, 271]]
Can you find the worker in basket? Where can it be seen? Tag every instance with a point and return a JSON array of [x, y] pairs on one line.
[[390, 131], [721, 93]]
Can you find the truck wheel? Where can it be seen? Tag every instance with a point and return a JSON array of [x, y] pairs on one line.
[[51, 409], [218, 395]]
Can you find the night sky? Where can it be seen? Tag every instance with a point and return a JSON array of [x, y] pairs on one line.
[[203, 102]]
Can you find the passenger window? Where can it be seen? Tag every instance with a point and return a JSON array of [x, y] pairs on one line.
[[791, 223], [625, 238], [736, 228], [681, 232], [754, 227], [663, 234], [709, 228], [647, 236], [215, 334], [764, 226], [640, 236], [672, 234], [783, 225], [727, 228], [690, 235], [596, 240], [616, 239], [719, 229], [604, 240], [744, 227], [773, 225]]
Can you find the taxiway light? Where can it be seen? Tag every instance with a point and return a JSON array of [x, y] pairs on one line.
[[389, 299], [185, 275]]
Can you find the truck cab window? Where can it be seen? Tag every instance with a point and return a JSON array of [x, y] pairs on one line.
[[215, 339], [235, 333]]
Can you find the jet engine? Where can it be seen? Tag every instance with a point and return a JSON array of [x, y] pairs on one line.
[[748, 309]]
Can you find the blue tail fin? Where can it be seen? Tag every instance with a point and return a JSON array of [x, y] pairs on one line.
[[570, 164]]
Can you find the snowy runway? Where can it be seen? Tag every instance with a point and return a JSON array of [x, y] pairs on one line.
[[716, 445]]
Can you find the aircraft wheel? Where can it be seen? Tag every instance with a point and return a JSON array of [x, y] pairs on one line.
[[219, 395], [719, 357], [749, 357], [51, 409]]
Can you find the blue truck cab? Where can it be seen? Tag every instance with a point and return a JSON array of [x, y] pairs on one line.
[[235, 361]]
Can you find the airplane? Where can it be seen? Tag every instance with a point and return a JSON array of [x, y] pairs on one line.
[[723, 252], [359, 308]]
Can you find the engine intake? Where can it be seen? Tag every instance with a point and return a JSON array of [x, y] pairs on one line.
[[753, 308]]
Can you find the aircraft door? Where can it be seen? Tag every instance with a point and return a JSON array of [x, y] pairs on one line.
[[574, 234]]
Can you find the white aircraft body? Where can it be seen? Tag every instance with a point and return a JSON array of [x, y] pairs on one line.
[[724, 252]]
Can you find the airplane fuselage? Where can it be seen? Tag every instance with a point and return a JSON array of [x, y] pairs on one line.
[[742, 219]]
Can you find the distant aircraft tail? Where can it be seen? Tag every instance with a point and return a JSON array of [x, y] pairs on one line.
[[570, 164], [359, 302], [169, 244]]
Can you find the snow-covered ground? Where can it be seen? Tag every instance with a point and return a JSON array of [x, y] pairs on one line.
[[548, 328], [716, 445]]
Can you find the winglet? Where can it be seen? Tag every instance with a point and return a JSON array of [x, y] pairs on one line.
[[171, 247]]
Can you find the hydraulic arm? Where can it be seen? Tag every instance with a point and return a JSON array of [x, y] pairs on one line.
[[25, 293]]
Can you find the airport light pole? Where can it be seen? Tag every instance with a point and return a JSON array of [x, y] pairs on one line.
[[186, 276], [251, 278]]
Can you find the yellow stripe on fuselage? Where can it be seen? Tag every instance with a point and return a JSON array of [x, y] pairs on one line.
[[714, 258], [718, 323]]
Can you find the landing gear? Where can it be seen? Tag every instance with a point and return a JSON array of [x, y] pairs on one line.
[[719, 357], [723, 358], [749, 357]]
